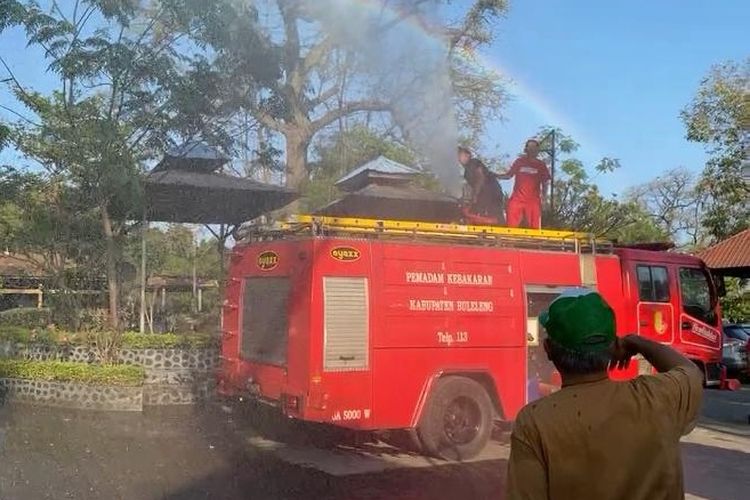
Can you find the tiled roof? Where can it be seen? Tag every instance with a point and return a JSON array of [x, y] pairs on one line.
[[734, 252]]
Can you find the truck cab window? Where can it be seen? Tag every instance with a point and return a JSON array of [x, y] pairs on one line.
[[653, 283], [696, 295]]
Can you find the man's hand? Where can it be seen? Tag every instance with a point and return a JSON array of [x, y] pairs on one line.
[[623, 350], [503, 176], [662, 357]]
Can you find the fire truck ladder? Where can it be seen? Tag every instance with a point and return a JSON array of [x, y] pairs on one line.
[[539, 239]]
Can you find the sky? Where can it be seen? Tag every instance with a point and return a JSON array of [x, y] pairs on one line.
[[614, 75]]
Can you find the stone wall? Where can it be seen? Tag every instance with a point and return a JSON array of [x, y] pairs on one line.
[[181, 358], [173, 376], [72, 395]]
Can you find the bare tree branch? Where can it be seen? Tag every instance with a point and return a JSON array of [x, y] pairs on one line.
[[10, 110], [269, 121], [348, 109], [316, 54], [324, 96], [15, 80]]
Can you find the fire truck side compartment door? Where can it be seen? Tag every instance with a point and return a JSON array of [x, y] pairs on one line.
[[346, 322]]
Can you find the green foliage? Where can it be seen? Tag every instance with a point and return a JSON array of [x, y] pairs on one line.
[[64, 371], [171, 250], [578, 203], [735, 305], [129, 340], [5, 132], [11, 333], [128, 88], [45, 336], [44, 220], [26, 317], [719, 117], [639, 226]]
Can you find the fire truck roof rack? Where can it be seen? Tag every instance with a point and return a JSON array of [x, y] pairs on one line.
[[543, 239]]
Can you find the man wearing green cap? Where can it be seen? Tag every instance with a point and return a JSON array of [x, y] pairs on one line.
[[597, 438]]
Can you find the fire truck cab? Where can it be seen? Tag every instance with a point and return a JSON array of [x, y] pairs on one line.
[[432, 328]]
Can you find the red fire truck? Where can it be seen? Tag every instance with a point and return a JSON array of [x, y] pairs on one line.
[[432, 328]]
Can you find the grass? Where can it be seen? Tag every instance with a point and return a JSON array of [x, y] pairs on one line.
[[65, 371], [15, 333]]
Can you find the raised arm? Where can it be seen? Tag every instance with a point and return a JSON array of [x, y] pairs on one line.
[[662, 357], [510, 173], [678, 388]]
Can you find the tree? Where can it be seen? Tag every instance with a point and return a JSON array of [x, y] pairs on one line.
[[174, 251], [43, 222], [578, 203], [735, 305], [719, 118], [674, 203], [318, 80], [128, 88]]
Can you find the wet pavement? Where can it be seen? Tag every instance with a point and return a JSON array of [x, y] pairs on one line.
[[218, 452]]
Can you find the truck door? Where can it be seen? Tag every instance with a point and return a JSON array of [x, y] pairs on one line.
[[699, 318], [655, 313]]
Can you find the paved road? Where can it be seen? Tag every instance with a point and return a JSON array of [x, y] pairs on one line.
[[214, 452], [727, 411]]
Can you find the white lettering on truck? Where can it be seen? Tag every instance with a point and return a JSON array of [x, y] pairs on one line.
[[451, 305], [350, 415], [450, 278], [419, 277], [431, 305]]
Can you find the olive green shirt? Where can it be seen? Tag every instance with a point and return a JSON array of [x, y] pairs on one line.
[[606, 439]]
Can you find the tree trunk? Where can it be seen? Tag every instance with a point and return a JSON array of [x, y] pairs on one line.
[[112, 285], [297, 142], [221, 248]]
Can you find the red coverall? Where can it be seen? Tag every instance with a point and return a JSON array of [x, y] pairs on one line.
[[526, 200]]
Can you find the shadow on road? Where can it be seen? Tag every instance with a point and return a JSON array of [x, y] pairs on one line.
[[197, 452], [714, 472], [483, 480], [202, 452]]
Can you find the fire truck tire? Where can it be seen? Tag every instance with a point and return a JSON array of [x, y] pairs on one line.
[[457, 420]]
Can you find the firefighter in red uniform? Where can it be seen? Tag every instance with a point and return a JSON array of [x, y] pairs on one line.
[[529, 188]]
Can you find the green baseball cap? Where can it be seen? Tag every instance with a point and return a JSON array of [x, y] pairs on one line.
[[579, 319]]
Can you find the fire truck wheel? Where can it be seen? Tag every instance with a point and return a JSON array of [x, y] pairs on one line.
[[457, 420]]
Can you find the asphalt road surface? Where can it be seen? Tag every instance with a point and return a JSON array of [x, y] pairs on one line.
[[220, 452]]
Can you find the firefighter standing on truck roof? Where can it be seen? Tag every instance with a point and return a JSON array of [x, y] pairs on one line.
[[486, 194], [529, 188]]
